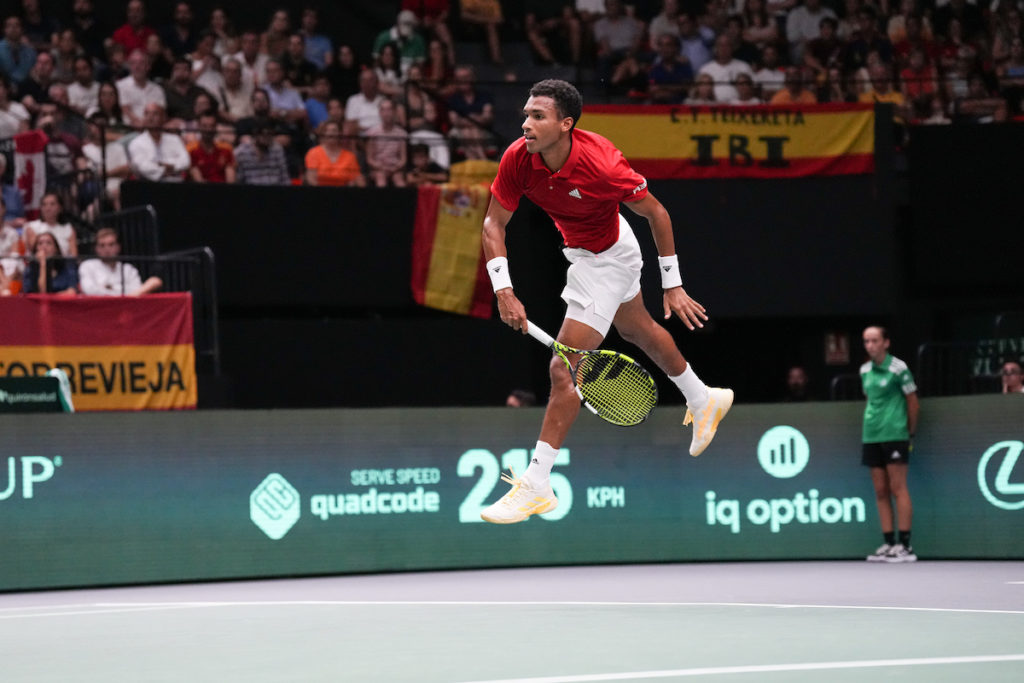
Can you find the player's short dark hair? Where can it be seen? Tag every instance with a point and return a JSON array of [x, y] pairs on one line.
[[567, 98]]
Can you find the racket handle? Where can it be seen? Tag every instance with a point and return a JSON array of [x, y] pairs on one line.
[[539, 334]]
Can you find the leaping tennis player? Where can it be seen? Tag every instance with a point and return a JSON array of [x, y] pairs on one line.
[[579, 178]]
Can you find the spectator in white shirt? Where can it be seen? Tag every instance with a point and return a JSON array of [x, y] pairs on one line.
[[363, 108], [254, 62], [84, 91], [723, 69], [236, 95], [136, 91], [157, 154], [107, 275], [804, 24]]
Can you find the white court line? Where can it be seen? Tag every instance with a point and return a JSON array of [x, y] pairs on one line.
[[129, 607], [1016, 583], [762, 668]]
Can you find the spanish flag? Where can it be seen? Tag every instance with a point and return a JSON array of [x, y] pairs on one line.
[[119, 353], [762, 141], [448, 269]]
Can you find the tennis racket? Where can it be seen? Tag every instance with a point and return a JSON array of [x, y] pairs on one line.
[[611, 385]]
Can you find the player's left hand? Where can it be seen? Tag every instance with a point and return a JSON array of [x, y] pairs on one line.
[[677, 301]]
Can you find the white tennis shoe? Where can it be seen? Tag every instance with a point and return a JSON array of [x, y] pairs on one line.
[[705, 420], [519, 503]]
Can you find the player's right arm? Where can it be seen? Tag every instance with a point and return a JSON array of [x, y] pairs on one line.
[[510, 308]]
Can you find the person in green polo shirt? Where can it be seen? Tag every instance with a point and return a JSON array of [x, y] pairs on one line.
[[890, 420]]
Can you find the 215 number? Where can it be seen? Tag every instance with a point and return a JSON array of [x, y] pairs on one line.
[[490, 473]]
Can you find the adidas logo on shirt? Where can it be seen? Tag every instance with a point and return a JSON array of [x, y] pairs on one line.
[[575, 193]]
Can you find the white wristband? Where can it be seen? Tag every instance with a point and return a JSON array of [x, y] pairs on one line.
[[670, 275], [497, 268]]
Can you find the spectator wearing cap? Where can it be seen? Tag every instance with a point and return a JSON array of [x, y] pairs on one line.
[[157, 154], [411, 46]]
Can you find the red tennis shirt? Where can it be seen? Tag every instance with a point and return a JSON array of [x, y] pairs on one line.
[[582, 197]]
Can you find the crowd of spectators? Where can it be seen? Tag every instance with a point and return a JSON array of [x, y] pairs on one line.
[[190, 98]]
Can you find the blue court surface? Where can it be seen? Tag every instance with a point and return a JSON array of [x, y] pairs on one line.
[[772, 621]]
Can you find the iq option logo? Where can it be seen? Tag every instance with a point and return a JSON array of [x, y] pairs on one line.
[[274, 506], [1001, 458], [783, 452]]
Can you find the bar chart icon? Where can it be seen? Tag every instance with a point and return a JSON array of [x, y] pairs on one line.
[[783, 452]]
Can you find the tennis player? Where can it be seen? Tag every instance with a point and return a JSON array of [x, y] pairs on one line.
[[890, 420], [580, 178]]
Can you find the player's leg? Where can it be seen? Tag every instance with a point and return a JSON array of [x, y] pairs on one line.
[[705, 406]]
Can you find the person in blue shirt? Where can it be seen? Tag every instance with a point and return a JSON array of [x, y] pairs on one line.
[[50, 272], [16, 57]]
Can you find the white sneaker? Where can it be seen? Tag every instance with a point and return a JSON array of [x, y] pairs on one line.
[[521, 502], [705, 421], [900, 553], [880, 554]]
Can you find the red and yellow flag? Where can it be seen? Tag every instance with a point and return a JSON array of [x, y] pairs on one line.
[[666, 141], [448, 269], [120, 353]]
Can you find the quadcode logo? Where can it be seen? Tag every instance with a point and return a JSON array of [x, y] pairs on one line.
[[783, 452], [1003, 493], [274, 506]]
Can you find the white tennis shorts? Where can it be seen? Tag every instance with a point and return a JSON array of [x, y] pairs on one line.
[[597, 284]]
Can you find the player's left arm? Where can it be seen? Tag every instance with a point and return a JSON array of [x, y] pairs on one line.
[[913, 408], [675, 299]]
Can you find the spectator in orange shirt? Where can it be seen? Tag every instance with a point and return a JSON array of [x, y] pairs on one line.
[[794, 92], [212, 161], [329, 163]]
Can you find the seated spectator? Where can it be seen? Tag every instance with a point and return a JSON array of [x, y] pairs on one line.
[[34, 90], [62, 148], [797, 385], [286, 105], [432, 16], [156, 154], [469, 103], [552, 25], [760, 29], [84, 90], [319, 49], [703, 91], [64, 56], [254, 62], [108, 106], [867, 39], [274, 41], [835, 88], [427, 134], [694, 39], [206, 65], [979, 105], [316, 103], [132, 35], [770, 77], [438, 70], [795, 92], [723, 69], [236, 96], [422, 169], [1012, 378], [745, 93], [824, 52], [11, 248], [665, 23], [161, 61], [742, 49], [49, 272], [389, 71], [17, 57], [882, 91], [485, 13], [329, 163], [669, 76], [914, 39], [225, 38], [617, 38], [14, 117], [180, 92], [212, 161], [260, 104], [299, 72], [935, 108], [14, 204], [117, 167], [896, 28], [803, 24], [107, 275], [114, 66], [261, 159], [343, 73], [411, 46], [919, 80], [385, 149], [136, 92], [89, 32], [412, 99], [363, 108], [179, 36]]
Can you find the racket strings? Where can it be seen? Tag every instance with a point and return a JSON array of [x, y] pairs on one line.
[[617, 387]]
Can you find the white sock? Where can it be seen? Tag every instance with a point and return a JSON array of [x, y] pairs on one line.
[[539, 472], [695, 391]]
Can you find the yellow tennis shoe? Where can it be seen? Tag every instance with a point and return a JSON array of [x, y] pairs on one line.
[[521, 502], [705, 421]]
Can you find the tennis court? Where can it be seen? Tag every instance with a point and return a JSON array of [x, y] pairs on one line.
[[775, 621]]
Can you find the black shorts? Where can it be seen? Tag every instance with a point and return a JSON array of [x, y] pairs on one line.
[[885, 453]]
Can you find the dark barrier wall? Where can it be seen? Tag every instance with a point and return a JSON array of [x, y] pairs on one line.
[[117, 498], [817, 246]]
